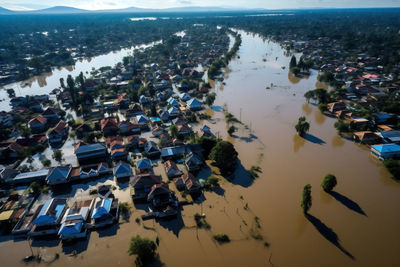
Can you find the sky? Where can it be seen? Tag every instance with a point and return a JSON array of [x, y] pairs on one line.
[[267, 4]]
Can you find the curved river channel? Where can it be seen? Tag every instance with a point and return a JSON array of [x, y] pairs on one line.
[[356, 225]]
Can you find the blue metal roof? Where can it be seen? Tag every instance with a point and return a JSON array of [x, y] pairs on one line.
[[387, 148]]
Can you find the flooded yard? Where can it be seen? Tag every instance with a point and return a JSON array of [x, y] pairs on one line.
[[356, 225]]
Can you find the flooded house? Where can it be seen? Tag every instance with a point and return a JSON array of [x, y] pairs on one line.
[[194, 104], [73, 224], [122, 170], [386, 151], [141, 185], [193, 162], [91, 152], [47, 220], [38, 124], [151, 150], [172, 169], [160, 197], [59, 175], [144, 166], [367, 137], [58, 133], [104, 213]]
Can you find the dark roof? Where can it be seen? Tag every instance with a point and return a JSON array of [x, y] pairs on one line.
[[89, 148]]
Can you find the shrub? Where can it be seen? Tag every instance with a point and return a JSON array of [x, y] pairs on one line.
[[393, 166], [329, 182], [221, 238], [124, 207], [212, 180]]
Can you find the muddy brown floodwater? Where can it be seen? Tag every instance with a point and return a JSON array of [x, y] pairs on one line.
[[357, 225]]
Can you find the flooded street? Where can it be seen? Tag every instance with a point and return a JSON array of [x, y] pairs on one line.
[[356, 225], [46, 82]]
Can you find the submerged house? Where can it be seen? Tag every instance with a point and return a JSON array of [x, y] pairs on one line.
[[161, 196], [151, 149], [386, 151], [144, 165], [73, 224], [194, 104], [58, 133], [38, 124], [122, 170], [142, 183], [90, 152], [109, 126], [105, 212], [193, 162], [48, 218], [59, 175], [172, 169], [367, 137]]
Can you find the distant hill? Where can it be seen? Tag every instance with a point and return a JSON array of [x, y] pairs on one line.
[[4, 11], [72, 10], [58, 10]]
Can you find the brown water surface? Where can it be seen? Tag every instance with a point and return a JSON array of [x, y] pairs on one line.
[[357, 225]]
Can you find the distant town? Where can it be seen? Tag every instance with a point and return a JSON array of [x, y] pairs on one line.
[[138, 135]]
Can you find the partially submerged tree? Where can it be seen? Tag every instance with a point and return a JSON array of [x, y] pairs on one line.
[[144, 248], [224, 156], [302, 126], [306, 200], [329, 182]]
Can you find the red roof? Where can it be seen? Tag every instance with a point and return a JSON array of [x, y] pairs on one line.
[[60, 127], [39, 119], [108, 123]]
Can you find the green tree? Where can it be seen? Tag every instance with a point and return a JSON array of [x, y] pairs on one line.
[[293, 62], [25, 131], [58, 155], [62, 84], [210, 99], [46, 162], [144, 248], [173, 130], [306, 199], [323, 107], [71, 88], [225, 156], [342, 127], [329, 182], [231, 130], [302, 126]]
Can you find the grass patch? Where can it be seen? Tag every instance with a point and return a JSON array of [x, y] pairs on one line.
[[221, 238]]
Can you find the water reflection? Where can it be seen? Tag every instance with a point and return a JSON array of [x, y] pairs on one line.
[[324, 197], [337, 141], [292, 78], [307, 108], [301, 224], [321, 85], [298, 142], [319, 117]]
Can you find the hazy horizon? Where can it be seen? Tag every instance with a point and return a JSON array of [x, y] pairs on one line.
[[160, 4]]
